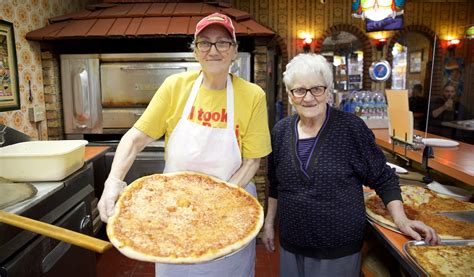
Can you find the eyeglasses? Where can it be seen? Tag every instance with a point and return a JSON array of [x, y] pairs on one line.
[[301, 92], [221, 45]]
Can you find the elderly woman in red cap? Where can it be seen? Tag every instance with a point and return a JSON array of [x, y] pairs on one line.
[[241, 133]]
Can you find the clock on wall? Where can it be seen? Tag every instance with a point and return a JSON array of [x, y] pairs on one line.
[[380, 71]]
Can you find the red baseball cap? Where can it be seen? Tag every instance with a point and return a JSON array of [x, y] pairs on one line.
[[215, 18]]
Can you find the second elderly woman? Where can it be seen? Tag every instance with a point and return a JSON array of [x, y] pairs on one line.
[[321, 159]]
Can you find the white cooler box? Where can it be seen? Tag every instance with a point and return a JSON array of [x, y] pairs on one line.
[[34, 161]]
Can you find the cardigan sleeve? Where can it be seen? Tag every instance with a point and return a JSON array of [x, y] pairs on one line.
[[372, 168]]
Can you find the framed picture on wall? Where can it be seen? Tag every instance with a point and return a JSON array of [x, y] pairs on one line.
[[415, 58], [9, 88]]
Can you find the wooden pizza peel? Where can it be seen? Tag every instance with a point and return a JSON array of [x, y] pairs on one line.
[[55, 232], [12, 193]]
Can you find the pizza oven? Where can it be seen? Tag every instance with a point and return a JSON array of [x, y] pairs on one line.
[[106, 93]]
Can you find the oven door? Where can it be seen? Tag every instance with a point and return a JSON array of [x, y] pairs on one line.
[[133, 84], [127, 88], [49, 257]]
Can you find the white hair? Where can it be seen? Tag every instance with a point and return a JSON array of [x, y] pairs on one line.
[[308, 63]]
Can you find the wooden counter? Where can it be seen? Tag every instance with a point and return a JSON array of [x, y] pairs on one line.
[[457, 162], [94, 152]]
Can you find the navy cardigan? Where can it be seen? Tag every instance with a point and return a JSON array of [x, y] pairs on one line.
[[321, 211]]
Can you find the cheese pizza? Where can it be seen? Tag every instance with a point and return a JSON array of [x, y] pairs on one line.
[[444, 260], [424, 205], [183, 218]]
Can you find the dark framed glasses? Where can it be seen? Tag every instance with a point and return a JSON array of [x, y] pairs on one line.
[[221, 45], [301, 92]]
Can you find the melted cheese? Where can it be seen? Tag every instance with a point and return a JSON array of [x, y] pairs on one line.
[[445, 260], [415, 195]]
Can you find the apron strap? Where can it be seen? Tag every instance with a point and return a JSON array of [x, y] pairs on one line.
[[230, 100], [192, 97], [230, 103]]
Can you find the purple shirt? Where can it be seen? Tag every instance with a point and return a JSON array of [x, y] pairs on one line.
[[306, 151]]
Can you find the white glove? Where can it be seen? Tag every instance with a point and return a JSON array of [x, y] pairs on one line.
[[113, 187]]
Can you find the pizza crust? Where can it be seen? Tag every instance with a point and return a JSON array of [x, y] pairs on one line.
[[380, 219], [131, 252]]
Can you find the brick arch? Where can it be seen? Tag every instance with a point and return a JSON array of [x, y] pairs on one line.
[[366, 47], [438, 59]]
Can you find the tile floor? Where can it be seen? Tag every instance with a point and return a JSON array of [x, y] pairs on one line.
[[114, 264]]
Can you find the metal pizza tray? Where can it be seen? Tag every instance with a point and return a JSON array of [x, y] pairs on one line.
[[466, 216], [415, 243]]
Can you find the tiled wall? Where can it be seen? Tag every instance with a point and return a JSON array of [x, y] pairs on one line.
[[29, 15]]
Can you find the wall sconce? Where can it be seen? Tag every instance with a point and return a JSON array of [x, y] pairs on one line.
[[306, 39], [453, 43], [307, 44], [380, 43]]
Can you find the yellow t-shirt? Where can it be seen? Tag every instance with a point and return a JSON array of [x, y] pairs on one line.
[[250, 115]]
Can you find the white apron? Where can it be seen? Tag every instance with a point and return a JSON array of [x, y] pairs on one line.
[[214, 151]]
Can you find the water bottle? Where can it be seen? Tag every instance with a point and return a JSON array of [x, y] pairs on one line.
[[382, 105], [347, 102], [370, 100], [358, 103], [378, 105], [352, 105], [365, 99]]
